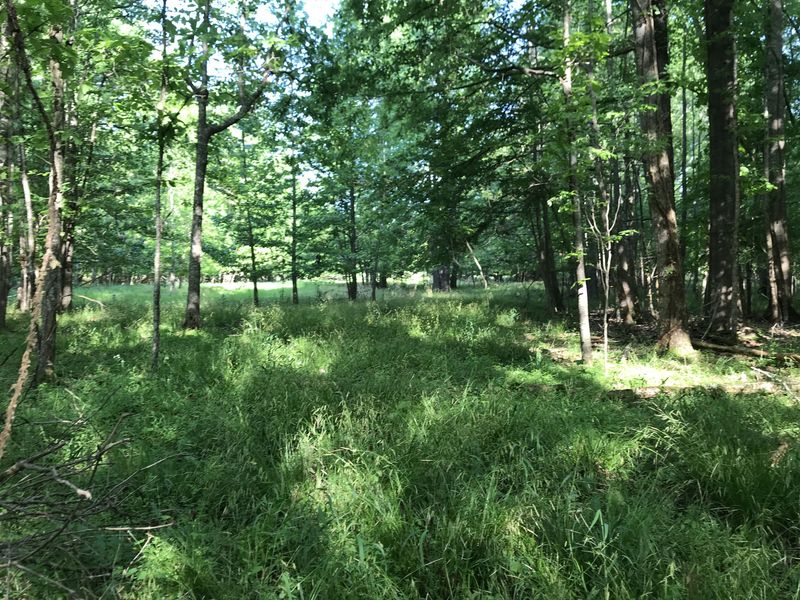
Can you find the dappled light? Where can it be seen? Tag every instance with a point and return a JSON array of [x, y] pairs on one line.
[[413, 447]]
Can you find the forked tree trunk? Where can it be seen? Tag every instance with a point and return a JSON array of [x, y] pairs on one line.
[[778, 257], [722, 292], [205, 131], [658, 168]]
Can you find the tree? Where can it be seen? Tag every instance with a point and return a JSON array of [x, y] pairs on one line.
[[722, 291], [206, 130], [577, 217], [777, 238], [659, 172]]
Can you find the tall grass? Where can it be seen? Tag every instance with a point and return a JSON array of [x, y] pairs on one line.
[[417, 447]]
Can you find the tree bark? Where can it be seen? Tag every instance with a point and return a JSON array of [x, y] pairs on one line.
[[779, 258], [295, 294], [158, 220], [577, 216], [46, 301], [723, 287], [547, 263], [352, 261], [7, 169], [205, 131], [627, 293], [27, 243], [658, 168], [441, 278], [248, 215]]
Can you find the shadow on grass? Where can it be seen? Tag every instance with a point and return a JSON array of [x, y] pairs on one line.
[[395, 451]]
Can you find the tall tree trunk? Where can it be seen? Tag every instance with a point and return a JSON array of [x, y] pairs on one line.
[[627, 293], [161, 126], [205, 131], [352, 274], [45, 303], [441, 278], [455, 272], [51, 283], [27, 244], [248, 215], [658, 167], [191, 318], [577, 216], [548, 263], [779, 258], [684, 153], [173, 279], [295, 295], [7, 170], [723, 287]]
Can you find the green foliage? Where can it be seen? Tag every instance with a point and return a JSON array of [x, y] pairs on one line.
[[418, 446]]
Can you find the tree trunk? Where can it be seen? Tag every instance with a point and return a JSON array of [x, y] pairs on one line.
[[441, 278], [159, 223], [46, 300], [547, 263], [295, 295], [723, 288], [627, 293], [248, 215], [658, 167], [67, 258], [27, 245], [205, 131], [352, 275], [577, 217], [684, 153], [779, 258], [7, 170]]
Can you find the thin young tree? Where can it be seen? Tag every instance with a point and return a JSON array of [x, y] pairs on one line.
[[163, 127], [206, 130], [577, 213]]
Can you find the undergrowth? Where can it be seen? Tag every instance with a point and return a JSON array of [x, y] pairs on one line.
[[417, 447]]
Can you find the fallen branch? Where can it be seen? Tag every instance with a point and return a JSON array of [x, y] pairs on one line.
[[90, 300], [745, 351], [649, 392], [759, 387]]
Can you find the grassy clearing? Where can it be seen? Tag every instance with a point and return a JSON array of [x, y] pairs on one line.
[[411, 448]]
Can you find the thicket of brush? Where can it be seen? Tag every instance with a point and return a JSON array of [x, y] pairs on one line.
[[420, 446]]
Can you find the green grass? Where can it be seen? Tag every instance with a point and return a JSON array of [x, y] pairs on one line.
[[418, 447]]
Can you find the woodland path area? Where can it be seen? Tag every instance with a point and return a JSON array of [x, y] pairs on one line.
[[442, 445]]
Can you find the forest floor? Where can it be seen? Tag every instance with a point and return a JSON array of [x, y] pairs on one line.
[[423, 446]]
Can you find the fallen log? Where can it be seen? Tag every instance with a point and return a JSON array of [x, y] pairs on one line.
[[745, 351], [757, 387], [648, 392]]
